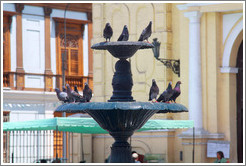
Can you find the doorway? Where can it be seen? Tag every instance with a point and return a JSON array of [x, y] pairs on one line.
[[240, 104]]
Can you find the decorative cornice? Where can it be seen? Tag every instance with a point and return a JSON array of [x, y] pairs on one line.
[[19, 7], [89, 16], [47, 11], [72, 21], [210, 7], [194, 16], [187, 5], [8, 13], [28, 96], [227, 69]]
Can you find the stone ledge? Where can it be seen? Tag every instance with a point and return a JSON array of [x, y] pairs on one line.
[[200, 133]]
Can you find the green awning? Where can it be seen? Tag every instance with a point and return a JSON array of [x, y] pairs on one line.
[[159, 124], [88, 125]]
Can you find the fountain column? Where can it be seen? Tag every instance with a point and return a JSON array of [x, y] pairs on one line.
[[122, 81]]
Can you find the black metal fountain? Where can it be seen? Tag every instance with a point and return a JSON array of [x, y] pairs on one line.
[[121, 115]]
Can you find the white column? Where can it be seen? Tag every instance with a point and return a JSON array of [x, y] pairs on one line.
[[195, 82]]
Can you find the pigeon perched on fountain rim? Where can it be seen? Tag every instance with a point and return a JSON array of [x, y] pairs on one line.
[[107, 32], [62, 96], [146, 33], [176, 92], [154, 90], [73, 96], [165, 96], [87, 93], [124, 35]]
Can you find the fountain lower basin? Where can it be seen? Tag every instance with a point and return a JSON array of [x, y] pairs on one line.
[[121, 119]]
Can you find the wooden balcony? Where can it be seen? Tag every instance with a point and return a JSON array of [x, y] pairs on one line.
[[79, 81], [8, 81], [75, 80]]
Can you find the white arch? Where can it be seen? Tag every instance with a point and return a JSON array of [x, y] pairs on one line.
[[228, 48]]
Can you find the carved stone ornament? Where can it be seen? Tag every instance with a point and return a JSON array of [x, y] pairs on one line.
[[89, 16], [71, 40], [19, 7], [47, 11]]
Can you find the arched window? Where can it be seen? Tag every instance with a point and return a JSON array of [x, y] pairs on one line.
[[73, 61]]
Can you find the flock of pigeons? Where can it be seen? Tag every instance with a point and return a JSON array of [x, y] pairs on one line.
[[68, 95], [169, 95], [108, 33]]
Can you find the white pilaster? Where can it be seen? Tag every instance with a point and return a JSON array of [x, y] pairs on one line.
[[195, 82], [195, 79]]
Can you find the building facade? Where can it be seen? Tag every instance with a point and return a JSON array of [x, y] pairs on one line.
[[33, 46], [207, 38]]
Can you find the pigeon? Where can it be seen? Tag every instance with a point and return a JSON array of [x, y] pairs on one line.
[[76, 88], [176, 92], [64, 89], [107, 32], [87, 93], [62, 96], [165, 96], [154, 91], [72, 95], [124, 35], [146, 33]]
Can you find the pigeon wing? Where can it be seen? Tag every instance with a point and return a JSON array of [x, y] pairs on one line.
[[125, 35], [141, 38], [120, 37], [175, 95], [88, 94], [161, 97], [63, 95], [150, 94]]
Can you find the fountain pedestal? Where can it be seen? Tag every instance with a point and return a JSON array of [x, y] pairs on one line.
[[122, 82], [121, 150]]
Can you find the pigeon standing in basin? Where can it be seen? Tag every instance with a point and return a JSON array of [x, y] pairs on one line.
[[165, 96], [146, 33], [87, 93], [62, 96], [154, 91], [73, 96], [176, 92], [107, 32], [124, 35]]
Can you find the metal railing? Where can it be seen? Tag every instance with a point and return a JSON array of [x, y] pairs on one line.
[[6, 80], [79, 80], [44, 146]]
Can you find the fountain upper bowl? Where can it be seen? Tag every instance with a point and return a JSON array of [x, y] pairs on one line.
[[122, 49]]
